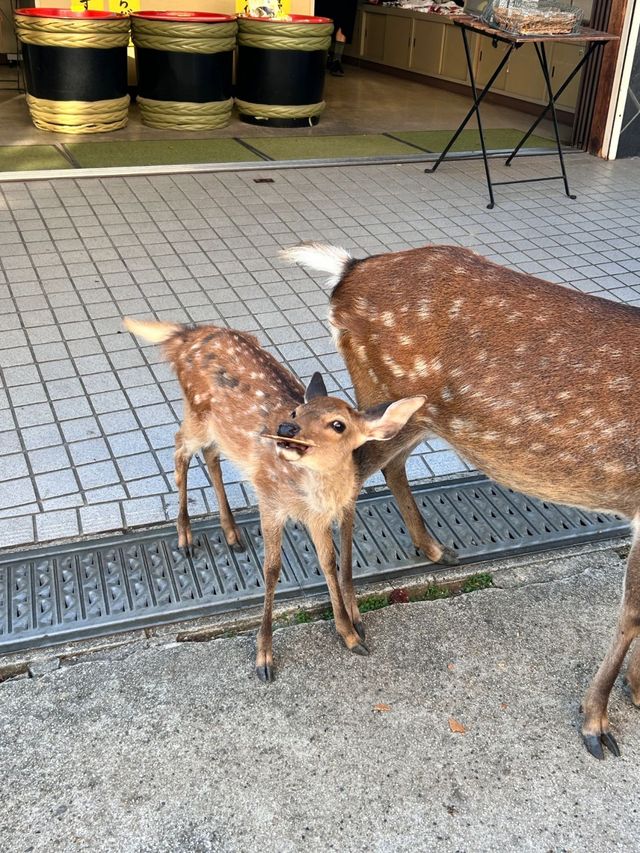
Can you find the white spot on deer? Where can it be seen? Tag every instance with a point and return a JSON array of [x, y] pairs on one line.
[[515, 420], [564, 395], [446, 394], [433, 410], [424, 308], [197, 399], [613, 468], [465, 388], [361, 352], [482, 355], [394, 367], [388, 319], [586, 413], [567, 457], [260, 393], [372, 376], [490, 436], [537, 447], [458, 424], [420, 366], [436, 365], [264, 410], [406, 340], [620, 383], [362, 305], [456, 305]]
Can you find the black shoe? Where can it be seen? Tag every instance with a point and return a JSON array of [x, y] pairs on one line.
[[329, 60], [336, 69]]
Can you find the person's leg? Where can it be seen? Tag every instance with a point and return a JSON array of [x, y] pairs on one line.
[[335, 65]]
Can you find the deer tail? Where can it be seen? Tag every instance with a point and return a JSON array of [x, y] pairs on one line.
[[320, 257], [151, 330]]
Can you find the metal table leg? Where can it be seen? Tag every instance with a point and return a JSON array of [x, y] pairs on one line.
[[592, 46], [477, 100]]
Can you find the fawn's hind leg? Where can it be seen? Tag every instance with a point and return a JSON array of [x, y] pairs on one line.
[[229, 526], [181, 463]]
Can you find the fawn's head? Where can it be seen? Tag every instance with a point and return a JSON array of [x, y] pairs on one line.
[[323, 432]]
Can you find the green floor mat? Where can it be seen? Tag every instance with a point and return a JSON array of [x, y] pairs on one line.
[[325, 147], [469, 140], [27, 158], [159, 152]]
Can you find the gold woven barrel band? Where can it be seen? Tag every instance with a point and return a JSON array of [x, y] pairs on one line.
[[184, 37], [78, 116], [179, 115], [280, 111], [73, 32], [275, 36]]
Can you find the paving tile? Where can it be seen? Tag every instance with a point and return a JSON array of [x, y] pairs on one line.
[[97, 475], [99, 518], [48, 459], [16, 531], [56, 483], [15, 493], [56, 525]]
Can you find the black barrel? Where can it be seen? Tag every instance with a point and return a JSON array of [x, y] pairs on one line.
[[281, 67], [184, 64], [76, 69]]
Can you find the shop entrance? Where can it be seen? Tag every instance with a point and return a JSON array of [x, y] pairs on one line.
[[404, 90]]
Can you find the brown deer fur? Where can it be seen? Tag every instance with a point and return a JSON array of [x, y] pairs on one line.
[[531, 382], [240, 402]]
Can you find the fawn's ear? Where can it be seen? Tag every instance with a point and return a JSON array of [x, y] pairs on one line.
[[315, 388], [384, 422]]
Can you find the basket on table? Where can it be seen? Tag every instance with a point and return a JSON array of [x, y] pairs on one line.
[[533, 17]]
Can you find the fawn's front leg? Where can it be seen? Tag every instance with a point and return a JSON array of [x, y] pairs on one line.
[[346, 570], [181, 463], [272, 538], [321, 536]]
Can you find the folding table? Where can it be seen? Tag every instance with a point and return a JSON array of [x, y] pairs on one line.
[[594, 38]]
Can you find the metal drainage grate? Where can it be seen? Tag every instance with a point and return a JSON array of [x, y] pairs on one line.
[[83, 589]]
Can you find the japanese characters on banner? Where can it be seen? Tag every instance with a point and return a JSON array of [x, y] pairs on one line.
[[264, 8], [120, 7]]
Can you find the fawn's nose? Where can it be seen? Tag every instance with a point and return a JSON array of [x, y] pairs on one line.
[[287, 430]]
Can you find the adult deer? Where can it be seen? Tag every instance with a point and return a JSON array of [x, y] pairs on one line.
[[531, 382], [296, 447]]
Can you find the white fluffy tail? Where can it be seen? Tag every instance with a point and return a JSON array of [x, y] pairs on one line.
[[151, 330], [319, 257]]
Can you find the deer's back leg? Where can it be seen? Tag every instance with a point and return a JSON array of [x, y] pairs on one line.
[[182, 458], [229, 526], [396, 477], [595, 729]]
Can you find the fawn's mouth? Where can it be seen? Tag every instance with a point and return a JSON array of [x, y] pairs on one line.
[[290, 449]]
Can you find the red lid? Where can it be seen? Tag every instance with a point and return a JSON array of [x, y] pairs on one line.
[[66, 13], [290, 19], [198, 17]]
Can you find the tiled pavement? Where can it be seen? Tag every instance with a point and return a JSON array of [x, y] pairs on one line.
[[87, 416]]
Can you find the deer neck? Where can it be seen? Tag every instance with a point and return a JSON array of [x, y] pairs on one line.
[[330, 492]]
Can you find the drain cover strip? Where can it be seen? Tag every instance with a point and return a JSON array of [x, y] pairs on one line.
[[88, 588]]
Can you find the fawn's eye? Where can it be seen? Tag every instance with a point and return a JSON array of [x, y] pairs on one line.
[[338, 426], [293, 414]]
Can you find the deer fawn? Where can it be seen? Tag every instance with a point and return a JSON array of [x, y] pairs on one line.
[[531, 382], [296, 447]]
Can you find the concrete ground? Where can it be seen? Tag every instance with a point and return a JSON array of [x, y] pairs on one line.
[[168, 747]]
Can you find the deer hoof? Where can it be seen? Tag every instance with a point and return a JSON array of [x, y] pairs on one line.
[[238, 547], [264, 673], [594, 744], [359, 628], [448, 557], [360, 649], [187, 550]]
